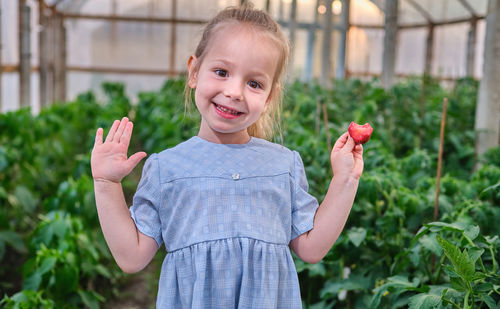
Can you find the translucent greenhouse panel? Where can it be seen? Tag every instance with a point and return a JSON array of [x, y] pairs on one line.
[[444, 10], [306, 10], [119, 44], [198, 9], [450, 51], [10, 38], [300, 53], [480, 6], [408, 14], [364, 50], [188, 37], [366, 12], [410, 54], [10, 92]]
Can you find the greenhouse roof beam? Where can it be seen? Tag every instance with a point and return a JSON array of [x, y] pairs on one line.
[[468, 7], [133, 18], [422, 11]]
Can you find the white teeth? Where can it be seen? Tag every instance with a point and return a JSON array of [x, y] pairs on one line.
[[226, 110]]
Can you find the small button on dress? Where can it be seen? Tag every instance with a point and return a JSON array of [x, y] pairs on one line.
[[227, 237]]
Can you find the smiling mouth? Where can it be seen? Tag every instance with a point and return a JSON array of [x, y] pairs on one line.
[[227, 110]]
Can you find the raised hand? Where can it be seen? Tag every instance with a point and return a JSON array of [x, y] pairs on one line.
[[347, 157], [109, 160]]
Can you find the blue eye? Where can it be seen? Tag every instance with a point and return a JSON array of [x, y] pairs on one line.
[[254, 84], [221, 73]]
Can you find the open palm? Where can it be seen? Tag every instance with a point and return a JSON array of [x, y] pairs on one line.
[[109, 160]]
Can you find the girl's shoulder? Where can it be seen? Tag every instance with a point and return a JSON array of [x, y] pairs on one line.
[[197, 157]]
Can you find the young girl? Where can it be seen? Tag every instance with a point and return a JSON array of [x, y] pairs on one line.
[[228, 204]]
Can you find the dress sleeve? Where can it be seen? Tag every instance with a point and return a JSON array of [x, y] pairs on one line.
[[147, 198], [304, 205]]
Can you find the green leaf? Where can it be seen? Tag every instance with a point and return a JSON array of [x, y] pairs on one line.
[[463, 264], [489, 301], [354, 282], [397, 284], [424, 301], [430, 243], [475, 253], [47, 264], [472, 232], [356, 235], [13, 239], [67, 279], [32, 282], [25, 198], [90, 299]]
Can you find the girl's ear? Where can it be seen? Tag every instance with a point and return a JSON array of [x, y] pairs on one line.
[[191, 71]]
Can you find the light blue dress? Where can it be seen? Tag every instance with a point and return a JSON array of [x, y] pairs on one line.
[[226, 214]]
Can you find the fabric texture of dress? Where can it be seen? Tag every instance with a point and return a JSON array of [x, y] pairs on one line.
[[226, 214]]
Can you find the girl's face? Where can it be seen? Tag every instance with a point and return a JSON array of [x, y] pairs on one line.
[[233, 83]]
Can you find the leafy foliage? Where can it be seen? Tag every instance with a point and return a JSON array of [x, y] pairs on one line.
[[392, 254]]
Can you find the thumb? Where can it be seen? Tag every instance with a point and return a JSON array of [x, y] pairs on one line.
[[349, 145], [134, 159]]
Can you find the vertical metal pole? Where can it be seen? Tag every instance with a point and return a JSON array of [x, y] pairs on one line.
[[50, 50], [63, 53], [173, 37], [42, 53], [341, 56], [292, 26], [280, 11], [326, 51], [487, 124], [1, 49], [390, 38], [24, 54], [429, 50], [268, 5], [59, 59], [471, 47]]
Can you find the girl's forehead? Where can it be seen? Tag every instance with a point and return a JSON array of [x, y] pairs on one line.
[[243, 32]]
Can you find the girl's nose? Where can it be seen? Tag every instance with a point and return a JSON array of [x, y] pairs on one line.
[[233, 90]]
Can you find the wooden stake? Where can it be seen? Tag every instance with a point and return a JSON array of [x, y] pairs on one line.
[[318, 116], [440, 158], [327, 130]]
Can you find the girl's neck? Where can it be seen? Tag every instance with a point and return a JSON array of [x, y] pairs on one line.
[[241, 137]]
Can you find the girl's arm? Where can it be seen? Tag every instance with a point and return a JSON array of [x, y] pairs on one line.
[[331, 216], [131, 249]]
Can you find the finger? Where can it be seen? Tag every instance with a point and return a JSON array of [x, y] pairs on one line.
[[120, 129], [358, 151], [340, 142], [125, 138], [134, 159], [349, 145], [98, 137], [112, 131]]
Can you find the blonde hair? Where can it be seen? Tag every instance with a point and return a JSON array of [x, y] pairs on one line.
[[269, 121]]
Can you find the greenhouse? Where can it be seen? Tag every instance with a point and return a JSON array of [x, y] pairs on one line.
[[422, 229]]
